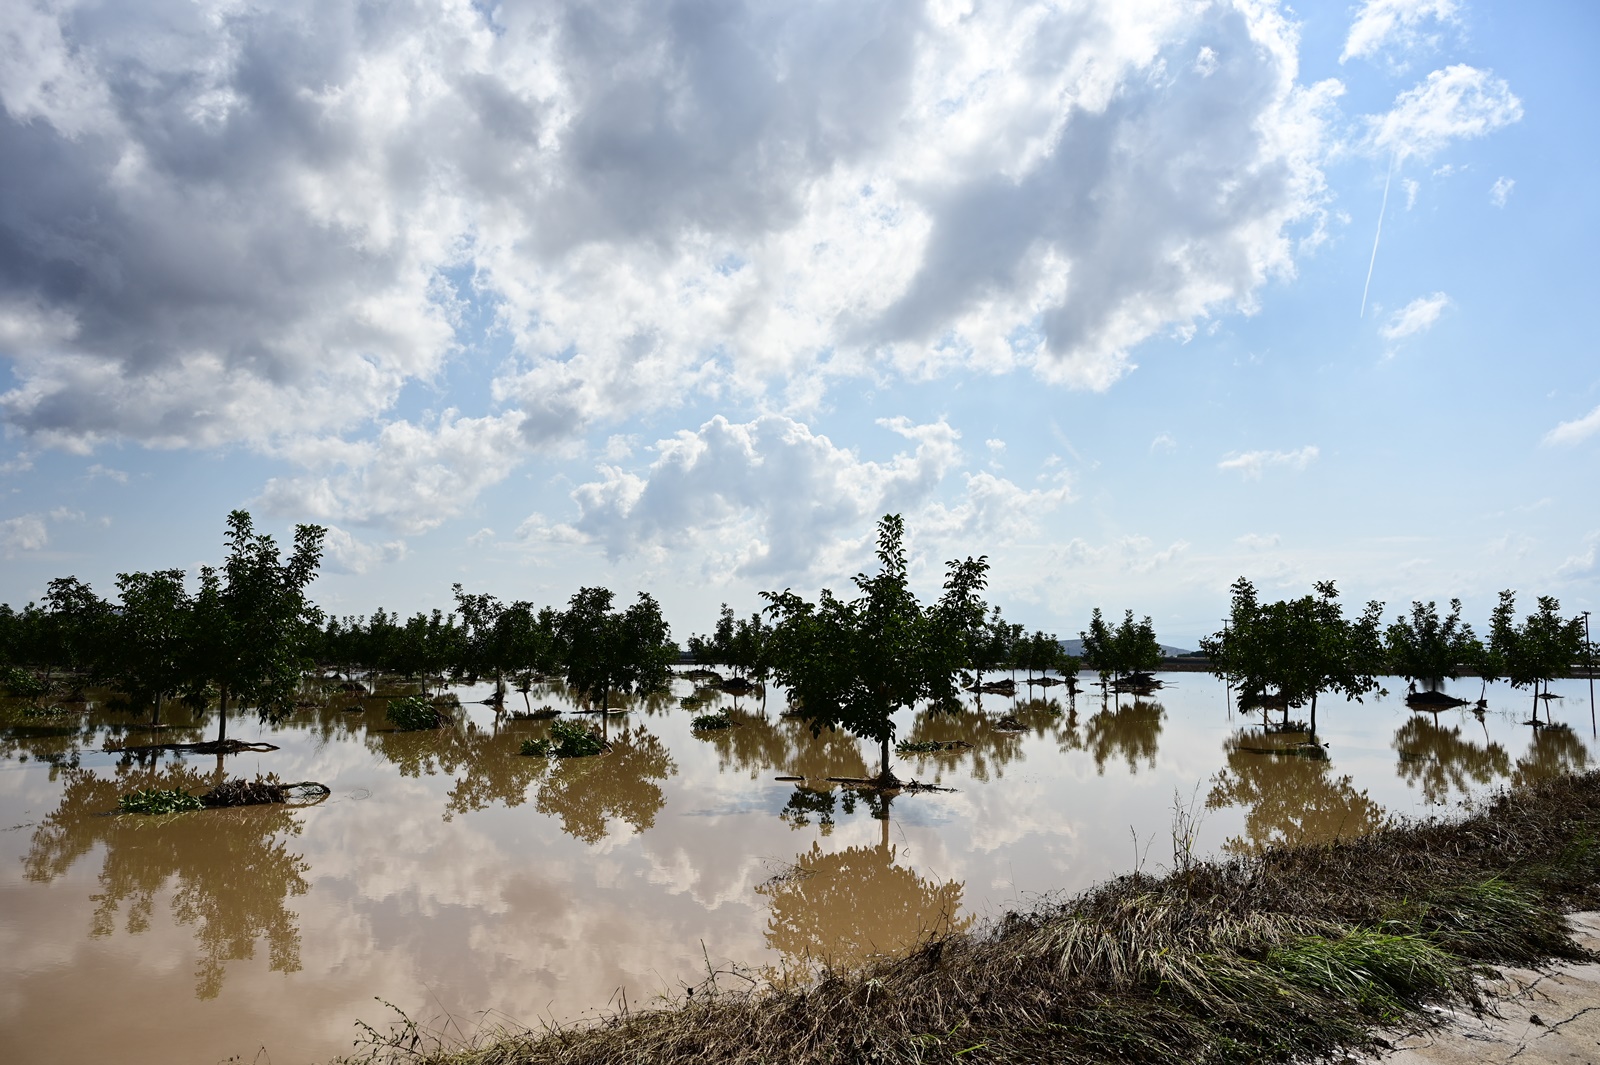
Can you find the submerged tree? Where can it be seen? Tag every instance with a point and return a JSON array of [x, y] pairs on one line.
[[603, 651], [1543, 647], [851, 665], [253, 622], [150, 656], [1116, 653], [1425, 649], [1298, 648]]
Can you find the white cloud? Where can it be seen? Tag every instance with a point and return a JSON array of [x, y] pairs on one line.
[[1583, 564], [110, 474], [1251, 464], [346, 554], [1576, 431], [1454, 103], [24, 533], [294, 204], [771, 497], [1415, 317], [1381, 24], [1258, 542], [1412, 188], [1163, 442], [1500, 191], [410, 477]]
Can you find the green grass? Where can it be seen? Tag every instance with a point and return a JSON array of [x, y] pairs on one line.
[[159, 801], [567, 740]]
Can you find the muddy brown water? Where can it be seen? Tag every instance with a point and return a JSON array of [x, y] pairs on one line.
[[467, 884]]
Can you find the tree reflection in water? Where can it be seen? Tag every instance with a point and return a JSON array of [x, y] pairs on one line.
[[1555, 751], [1441, 762], [587, 793], [844, 908], [1131, 732], [229, 873], [1289, 791]]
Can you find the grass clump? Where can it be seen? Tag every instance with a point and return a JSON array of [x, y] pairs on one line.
[[1292, 954], [690, 702], [711, 722], [567, 740], [159, 801], [410, 713], [930, 746]]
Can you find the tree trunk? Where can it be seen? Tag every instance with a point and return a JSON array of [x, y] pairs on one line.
[[155, 715], [884, 762], [1313, 715], [222, 717]]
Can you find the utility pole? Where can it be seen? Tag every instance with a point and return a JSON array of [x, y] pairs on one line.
[[1588, 653]]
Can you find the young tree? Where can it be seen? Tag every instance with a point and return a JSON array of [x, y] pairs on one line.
[[604, 651], [1116, 653], [1542, 648], [852, 665], [1424, 648], [1299, 647], [154, 629], [75, 629], [253, 621]]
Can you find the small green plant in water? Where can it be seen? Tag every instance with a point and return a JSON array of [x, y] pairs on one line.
[[20, 683], [47, 713], [567, 740], [710, 722], [930, 746], [159, 801], [412, 712], [689, 702]]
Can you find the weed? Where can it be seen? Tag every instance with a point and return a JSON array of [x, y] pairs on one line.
[[409, 713], [567, 740], [159, 801], [711, 722]]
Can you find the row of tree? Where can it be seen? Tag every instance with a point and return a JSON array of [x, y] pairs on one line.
[[248, 633], [1290, 651]]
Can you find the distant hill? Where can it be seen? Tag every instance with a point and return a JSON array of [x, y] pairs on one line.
[[1075, 647]]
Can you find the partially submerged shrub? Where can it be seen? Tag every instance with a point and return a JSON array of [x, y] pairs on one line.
[[159, 801], [930, 746], [52, 712], [567, 740], [20, 683], [689, 702], [409, 713], [711, 722]]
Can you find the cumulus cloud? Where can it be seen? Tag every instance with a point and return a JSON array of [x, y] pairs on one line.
[[26, 532], [1383, 24], [1584, 563], [261, 227], [345, 553], [1258, 542], [1500, 191], [1455, 103], [409, 477], [770, 496], [1251, 464], [1576, 431], [1415, 317]]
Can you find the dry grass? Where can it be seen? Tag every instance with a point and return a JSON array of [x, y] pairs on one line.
[[1293, 955]]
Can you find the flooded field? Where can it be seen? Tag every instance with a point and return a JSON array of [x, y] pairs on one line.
[[465, 883]]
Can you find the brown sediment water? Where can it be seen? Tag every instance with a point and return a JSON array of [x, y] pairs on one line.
[[458, 879]]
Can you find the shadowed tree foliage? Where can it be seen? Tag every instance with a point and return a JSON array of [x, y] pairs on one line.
[[151, 656], [1297, 648], [1424, 649], [228, 874], [1534, 653], [603, 651], [851, 665], [253, 623], [1115, 653]]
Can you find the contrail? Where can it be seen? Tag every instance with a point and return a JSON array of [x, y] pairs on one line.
[[1376, 236]]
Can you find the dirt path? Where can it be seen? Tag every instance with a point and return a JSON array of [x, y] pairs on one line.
[[1545, 1017]]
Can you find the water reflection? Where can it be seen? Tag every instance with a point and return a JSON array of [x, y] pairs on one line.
[[586, 794], [759, 744], [1130, 732], [1555, 750], [1289, 792], [1442, 763], [844, 908], [229, 873]]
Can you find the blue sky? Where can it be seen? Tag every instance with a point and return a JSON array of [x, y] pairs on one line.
[[682, 297]]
